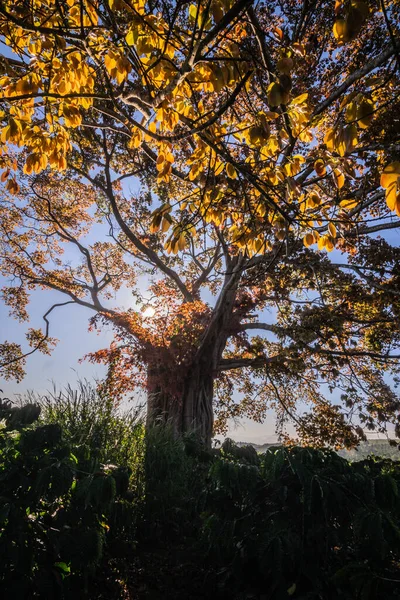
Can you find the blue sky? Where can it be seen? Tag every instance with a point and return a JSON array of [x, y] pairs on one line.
[[70, 326]]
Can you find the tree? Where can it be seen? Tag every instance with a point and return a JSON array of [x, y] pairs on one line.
[[261, 135]]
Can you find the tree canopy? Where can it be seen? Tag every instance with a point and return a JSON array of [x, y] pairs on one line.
[[264, 136]]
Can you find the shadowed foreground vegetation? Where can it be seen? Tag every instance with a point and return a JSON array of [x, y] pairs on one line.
[[90, 507]]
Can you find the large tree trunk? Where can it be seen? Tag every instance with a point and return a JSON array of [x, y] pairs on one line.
[[191, 410], [198, 395], [190, 413]]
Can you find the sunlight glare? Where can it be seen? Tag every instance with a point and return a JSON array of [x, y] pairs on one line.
[[148, 312]]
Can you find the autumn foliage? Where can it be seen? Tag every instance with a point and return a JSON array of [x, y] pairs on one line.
[[263, 136]]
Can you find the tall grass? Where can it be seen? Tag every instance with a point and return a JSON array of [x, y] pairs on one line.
[[92, 421]]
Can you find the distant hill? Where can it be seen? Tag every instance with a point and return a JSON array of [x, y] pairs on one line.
[[259, 447], [380, 448]]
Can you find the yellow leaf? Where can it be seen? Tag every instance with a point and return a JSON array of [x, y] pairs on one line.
[[332, 230], [392, 195], [123, 69], [351, 112], [193, 11], [390, 174], [349, 204], [349, 138], [35, 163], [308, 240], [329, 244], [341, 30], [174, 246], [166, 223], [131, 37], [231, 171], [181, 241], [257, 135], [271, 114], [12, 133], [306, 136], [155, 223], [300, 99], [339, 178], [347, 99], [218, 167], [72, 116], [275, 94], [110, 62], [329, 139], [319, 167], [365, 113], [326, 241], [313, 201], [136, 138]]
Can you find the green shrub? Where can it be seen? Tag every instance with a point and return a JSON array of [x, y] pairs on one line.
[[175, 473], [83, 487], [56, 503], [305, 522]]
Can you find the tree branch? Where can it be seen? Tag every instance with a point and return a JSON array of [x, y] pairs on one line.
[[44, 338], [207, 270], [226, 20], [151, 254], [259, 33], [228, 364], [373, 64]]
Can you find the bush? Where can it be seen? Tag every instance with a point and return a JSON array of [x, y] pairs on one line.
[[305, 522], [293, 522], [103, 433], [56, 502], [176, 470]]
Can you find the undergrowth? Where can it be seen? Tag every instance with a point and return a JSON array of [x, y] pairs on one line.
[[92, 508]]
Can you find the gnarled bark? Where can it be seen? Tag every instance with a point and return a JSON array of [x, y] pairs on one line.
[[192, 412]]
